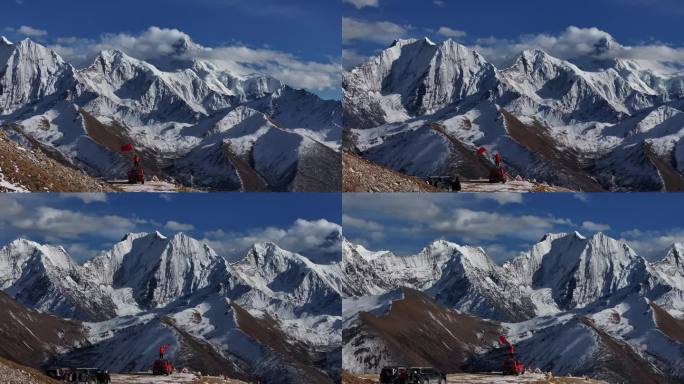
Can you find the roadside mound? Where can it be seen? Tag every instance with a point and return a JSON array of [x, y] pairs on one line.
[[11, 372], [361, 175], [26, 168]]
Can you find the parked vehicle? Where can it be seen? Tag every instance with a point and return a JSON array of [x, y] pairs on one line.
[[513, 366], [88, 376], [450, 183], [426, 375], [394, 375], [162, 367], [58, 373], [136, 176]]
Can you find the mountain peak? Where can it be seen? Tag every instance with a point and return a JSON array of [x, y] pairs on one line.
[[114, 55], [551, 236], [534, 55], [604, 45], [675, 256], [4, 41], [582, 237], [265, 247], [404, 42], [132, 236]]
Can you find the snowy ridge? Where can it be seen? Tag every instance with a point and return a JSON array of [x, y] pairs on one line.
[[608, 125], [150, 289], [594, 291], [169, 110]]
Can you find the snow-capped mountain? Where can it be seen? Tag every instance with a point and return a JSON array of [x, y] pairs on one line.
[[587, 124], [149, 290], [595, 289], [191, 121]]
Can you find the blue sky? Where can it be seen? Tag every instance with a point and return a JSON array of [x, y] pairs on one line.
[[308, 30], [230, 223], [506, 224], [640, 23]]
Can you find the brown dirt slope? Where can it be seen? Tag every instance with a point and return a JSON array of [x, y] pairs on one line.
[[420, 332], [361, 175], [251, 181], [267, 332], [538, 140], [471, 166], [350, 378], [672, 179], [35, 171], [114, 136], [673, 328], [618, 362], [31, 338], [202, 357]]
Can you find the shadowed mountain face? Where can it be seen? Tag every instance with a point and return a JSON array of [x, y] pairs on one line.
[[32, 338], [580, 125], [572, 305], [272, 316], [192, 122]]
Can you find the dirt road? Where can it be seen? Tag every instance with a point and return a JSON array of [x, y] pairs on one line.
[[177, 378], [149, 186], [493, 378], [510, 186]]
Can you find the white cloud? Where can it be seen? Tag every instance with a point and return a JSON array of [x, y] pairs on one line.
[[381, 32], [418, 216], [372, 229], [402, 206], [500, 253], [156, 43], [439, 3], [87, 198], [448, 32], [81, 252], [317, 239], [581, 196], [363, 3], [482, 225], [63, 223], [595, 227], [178, 227], [502, 197], [575, 42], [32, 32], [653, 244], [348, 221], [351, 58]]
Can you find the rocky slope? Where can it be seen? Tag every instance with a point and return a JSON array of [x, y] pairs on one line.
[[25, 167], [190, 120], [585, 125]]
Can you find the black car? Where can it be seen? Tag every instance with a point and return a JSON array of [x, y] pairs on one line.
[[394, 375], [426, 375], [450, 183]]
